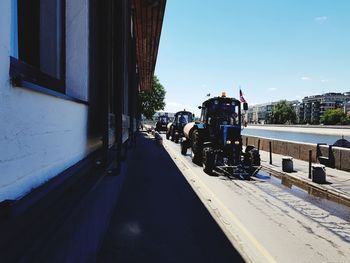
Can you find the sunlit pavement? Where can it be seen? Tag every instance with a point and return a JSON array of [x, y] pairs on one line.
[[267, 221]]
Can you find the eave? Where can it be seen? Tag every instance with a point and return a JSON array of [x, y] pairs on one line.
[[148, 18]]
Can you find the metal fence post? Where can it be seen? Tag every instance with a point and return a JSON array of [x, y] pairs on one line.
[[310, 160], [270, 148]]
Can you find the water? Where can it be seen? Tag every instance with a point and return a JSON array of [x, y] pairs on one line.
[[294, 136]]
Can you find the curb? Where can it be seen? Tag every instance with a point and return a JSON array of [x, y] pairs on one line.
[[331, 193]]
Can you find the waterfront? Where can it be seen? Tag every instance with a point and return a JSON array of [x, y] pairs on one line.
[[299, 134]]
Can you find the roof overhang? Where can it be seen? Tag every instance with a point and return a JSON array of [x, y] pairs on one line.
[[148, 20]]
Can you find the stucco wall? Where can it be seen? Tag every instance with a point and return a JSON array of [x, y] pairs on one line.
[[40, 135]]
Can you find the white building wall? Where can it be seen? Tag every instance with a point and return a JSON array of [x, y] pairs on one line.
[[77, 48], [40, 135]]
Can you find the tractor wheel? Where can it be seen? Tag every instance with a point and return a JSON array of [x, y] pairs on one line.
[[252, 156], [172, 134], [249, 148], [255, 156], [208, 160], [183, 147], [196, 148]]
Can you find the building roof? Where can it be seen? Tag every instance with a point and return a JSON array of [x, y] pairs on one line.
[[148, 20]]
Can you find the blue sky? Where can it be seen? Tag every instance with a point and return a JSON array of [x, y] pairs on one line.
[[273, 49]]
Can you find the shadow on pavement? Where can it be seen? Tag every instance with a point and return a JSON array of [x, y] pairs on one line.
[[159, 218]]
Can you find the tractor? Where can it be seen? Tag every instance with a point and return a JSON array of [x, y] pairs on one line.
[[216, 139], [175, 129], [162, 123]]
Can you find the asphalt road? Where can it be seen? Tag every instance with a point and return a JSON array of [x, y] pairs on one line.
[[268, 222]]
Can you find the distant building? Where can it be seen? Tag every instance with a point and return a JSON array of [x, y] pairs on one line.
[[312, 107], [259, 114], [310, 110], [347, 107]]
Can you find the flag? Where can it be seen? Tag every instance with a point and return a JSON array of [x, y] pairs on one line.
[[241, 98]]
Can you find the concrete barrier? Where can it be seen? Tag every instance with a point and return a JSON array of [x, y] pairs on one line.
[[299, 150], [304, 151], [344, 159], [337, 153]]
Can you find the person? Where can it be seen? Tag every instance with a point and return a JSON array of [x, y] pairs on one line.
[[182, 119]]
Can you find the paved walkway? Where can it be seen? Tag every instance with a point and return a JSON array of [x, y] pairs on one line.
[[338, 182], [159, 218]]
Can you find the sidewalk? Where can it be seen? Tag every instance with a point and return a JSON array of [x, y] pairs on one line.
[[159, 218], [338, 182]]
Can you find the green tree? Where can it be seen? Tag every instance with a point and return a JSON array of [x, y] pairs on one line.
[[283, 112], [335, 116], [153, 100]]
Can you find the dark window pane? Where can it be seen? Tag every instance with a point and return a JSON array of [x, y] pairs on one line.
[[28, 31], [50, 37], [40, 35]]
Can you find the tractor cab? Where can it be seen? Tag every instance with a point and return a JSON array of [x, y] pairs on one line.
[[162, 123], [175, 130], [163, 119], [221, 111], [221, 115], [182, 118]]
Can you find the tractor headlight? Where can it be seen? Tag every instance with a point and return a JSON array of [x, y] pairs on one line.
[[228, 142], [237, 142]]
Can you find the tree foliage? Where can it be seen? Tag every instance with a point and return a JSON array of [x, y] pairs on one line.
[[153, 100], [334, 116], [283, 112]]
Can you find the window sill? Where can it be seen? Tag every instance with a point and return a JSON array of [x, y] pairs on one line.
[[25, 76]]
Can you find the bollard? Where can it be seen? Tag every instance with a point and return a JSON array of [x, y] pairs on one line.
[[259, 145], [287, 164], [310, 161], [246, 141], [319, 173], [270, 148]]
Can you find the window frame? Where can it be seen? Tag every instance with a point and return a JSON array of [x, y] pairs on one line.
[[25, 75]]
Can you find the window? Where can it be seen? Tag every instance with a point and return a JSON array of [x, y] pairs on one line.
[[41, 44]]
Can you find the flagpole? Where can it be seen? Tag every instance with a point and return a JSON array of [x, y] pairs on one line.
[[242, 100]]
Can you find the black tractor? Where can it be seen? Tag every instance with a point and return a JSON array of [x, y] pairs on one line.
[[216, 140], [162, 123], [176, 128]]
